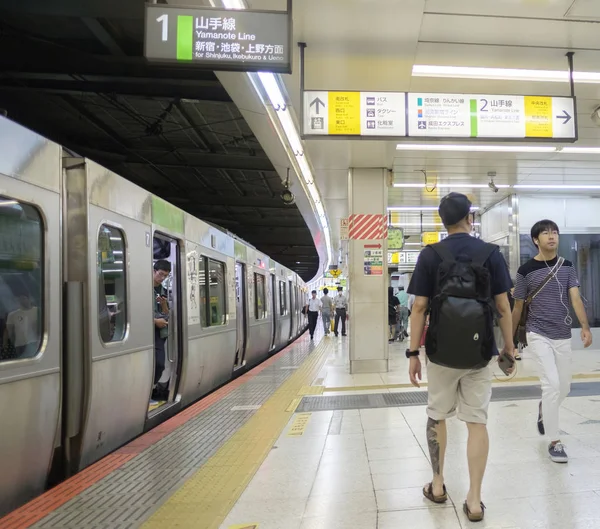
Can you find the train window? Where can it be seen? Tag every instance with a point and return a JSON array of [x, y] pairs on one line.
[[216, 294], [282, 298], [21, 280], [112, 292], [260, 308]]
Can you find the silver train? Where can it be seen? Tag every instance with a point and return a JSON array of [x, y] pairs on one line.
[[77, 357]]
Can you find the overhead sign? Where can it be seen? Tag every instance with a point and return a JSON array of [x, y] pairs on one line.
[[218, 39], [395, 239], [430, 237], [401, 258], [354, 113], [447, 116], [490, 116]]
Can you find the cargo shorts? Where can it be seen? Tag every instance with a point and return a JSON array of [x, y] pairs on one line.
[[465, 393]]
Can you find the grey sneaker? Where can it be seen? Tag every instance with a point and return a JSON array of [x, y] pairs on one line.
[[557, 453]]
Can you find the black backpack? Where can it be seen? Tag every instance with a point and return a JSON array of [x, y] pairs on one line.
[[461, 320]]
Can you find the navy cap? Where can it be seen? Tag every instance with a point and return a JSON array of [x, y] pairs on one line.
[[454, 207]]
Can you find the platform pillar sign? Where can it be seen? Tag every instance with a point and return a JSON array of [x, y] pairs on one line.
[[344, 233], [367, 270]]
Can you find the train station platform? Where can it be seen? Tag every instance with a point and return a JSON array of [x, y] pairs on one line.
[[298, 443]]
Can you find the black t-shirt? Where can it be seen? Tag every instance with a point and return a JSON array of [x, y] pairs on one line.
[[463, 247]]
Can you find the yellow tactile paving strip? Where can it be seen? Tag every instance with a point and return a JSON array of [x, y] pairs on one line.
[[206, 498], [516, 380]]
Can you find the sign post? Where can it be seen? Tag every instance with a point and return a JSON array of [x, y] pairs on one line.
[[219, 39]]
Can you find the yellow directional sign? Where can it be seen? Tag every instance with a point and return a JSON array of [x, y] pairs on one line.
[[430, 237], [538, 117], [344, 112]]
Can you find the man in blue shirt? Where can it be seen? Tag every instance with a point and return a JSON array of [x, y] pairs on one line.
[[403, 299], [465, 392]]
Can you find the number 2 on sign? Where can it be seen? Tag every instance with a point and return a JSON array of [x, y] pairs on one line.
[[484, 105], [164, 19]]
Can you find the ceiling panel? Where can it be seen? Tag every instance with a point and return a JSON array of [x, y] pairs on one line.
[[526, 32], [520, 8]]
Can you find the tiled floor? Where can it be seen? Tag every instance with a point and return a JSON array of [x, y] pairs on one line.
[[366, 469], [335, 373], [370, 474]]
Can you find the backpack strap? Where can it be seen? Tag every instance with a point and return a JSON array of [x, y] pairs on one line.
[[486, 251], [443, 252]]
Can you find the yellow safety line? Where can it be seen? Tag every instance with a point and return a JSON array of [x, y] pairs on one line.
[[335, 389], [204, 501]]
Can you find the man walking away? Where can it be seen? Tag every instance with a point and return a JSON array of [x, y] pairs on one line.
[[393, 315], [341, 311], [456, 280], [403, 299], [545, 284], [314, 305], [326, 311]]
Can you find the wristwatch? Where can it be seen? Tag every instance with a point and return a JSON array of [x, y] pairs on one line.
[[410, 353]]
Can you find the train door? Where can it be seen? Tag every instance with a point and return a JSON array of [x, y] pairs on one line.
[[274, 310], [167, 300], [292, 310], [30, 329], [240, 314]]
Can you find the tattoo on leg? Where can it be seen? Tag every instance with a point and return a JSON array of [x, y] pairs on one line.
[[434, 445]]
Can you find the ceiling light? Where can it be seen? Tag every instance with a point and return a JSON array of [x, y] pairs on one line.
[[469, 147], [428, 224], [421, 208], [580, 150], [451, 186], [503, 74], [555, 186]]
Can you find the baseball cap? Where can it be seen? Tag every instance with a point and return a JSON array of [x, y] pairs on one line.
[[454, 207]]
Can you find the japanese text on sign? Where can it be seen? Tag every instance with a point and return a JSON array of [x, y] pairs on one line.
[[239, 40]]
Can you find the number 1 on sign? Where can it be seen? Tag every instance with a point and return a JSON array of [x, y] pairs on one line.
[[164, 19]]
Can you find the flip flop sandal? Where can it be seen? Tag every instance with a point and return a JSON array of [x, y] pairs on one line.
[[428, 493], [477, 517]]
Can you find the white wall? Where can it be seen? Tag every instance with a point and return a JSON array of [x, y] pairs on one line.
[[571, 214]]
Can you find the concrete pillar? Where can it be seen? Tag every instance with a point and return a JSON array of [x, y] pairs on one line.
[[368, 198]]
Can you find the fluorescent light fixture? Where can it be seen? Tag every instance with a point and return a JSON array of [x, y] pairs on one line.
[[472, 148], [555, 186], [580, 150], [421, 208], [450, 186], [503, 74], [412, 244], [428, 224]]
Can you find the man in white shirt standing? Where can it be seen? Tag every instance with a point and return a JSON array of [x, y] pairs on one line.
[[326, 311], [314, 305], [341, 307]]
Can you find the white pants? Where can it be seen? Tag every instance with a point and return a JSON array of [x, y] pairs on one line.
[[554, 361]]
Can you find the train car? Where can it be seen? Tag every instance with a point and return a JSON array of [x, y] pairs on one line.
[[80, 251]]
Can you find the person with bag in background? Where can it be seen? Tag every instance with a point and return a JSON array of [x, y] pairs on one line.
[[542, 321], [326, 311], [456, 281]]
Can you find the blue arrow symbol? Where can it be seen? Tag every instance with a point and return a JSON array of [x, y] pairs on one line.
[[317, 102], [566, 116]]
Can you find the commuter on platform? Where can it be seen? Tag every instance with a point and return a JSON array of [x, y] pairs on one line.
[[393, 315], [541, 317], [326, 311], [403, 313], [314, 305], [456, 280], [341, 311]]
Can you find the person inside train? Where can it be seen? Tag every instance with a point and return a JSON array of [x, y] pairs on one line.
[[326, 311], [314, 306], [162, 269], [22, 329]]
